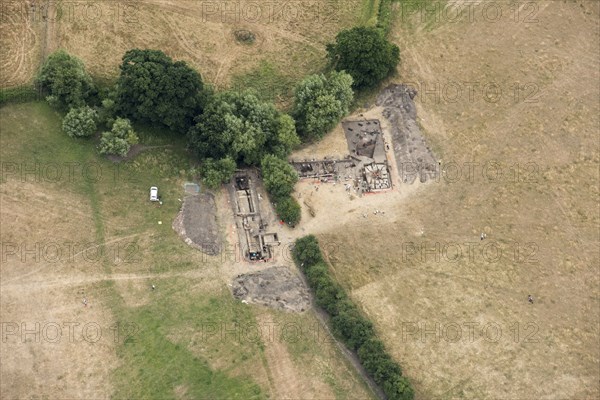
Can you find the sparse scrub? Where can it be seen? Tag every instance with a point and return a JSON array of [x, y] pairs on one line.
[[20, 94]]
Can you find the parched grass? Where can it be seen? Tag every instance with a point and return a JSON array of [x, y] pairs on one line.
[[412, 13], [267, 81], [156, 361], [188, 338], [155, 364], [369, 11], [311, 346]]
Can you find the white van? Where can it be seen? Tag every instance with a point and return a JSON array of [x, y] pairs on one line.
[[153, 193]]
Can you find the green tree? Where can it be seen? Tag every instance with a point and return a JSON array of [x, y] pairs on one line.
[[242, 127], [153, 88], [320, 103], [279, 176], [288, 210], [398, 388], [307, 252], [353, 327], [365, 54], [65, 79], [285, 139], [214, 173], [106, 112], [119, 139], [328, 295], [80, 122]]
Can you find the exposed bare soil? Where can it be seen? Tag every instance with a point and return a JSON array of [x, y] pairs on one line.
[[275, 287], [197, 224]]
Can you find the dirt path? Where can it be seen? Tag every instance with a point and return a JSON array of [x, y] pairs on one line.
[[6, 284], [50, 38], [69, 280]]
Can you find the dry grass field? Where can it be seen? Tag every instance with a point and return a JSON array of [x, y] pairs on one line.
[[111, 248], [543, 219], [290, 37], [75, 227], [508, 98]]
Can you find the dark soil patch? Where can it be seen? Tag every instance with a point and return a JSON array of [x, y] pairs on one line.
[[244, 36], [197, 223], [275, 287], [413, 157]]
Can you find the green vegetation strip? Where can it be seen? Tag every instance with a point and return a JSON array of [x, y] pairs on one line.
[[348, 323], [19, 94], [384, 16]]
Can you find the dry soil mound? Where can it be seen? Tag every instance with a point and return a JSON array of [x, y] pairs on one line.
[[275, 287]]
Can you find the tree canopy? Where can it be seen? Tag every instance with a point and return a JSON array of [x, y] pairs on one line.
[[365, 54], [289, 210], [153, 88], [214, 173], [348, 323], [279, 176], [119, 139], [65, 79], [80, 122], [320, 103], [240, 126]]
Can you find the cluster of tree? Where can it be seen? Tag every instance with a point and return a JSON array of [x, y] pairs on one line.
[[216, 172], [80, 122], [153, 88], [348, 324], [321, 102], [69, 87], [64, 79], [240, 126], [365, 54], [225, 129], [279, 178], [236, 128], [119, 139]]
